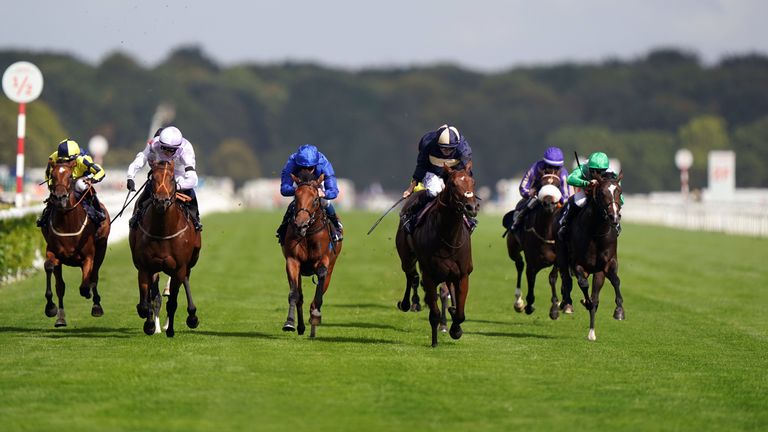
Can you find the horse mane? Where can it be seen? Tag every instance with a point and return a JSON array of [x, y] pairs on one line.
[[306, 175]]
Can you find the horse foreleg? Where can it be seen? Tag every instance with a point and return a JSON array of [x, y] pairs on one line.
[[530, 297], [444, 294], [145, 280], [50, 308], [566, 286], [61, 320], [96, 309], [581, 279], [597, 283], [85, 283], [430, 297], [294, 281], [192, 320], [408, 265], [173, 302], [461, 299], [613, 276], [520, 266], [554, 310], [315, 316]]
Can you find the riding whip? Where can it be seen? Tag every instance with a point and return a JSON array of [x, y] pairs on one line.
[[385, 213], [125, 204]]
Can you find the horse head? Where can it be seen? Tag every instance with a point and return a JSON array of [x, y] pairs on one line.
[[61, 183], [460, 189], [163, 192], [306, 200], [549, 193], [606, 195]]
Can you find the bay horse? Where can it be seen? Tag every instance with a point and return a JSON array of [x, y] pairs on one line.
[[537, 243], [308, 251], [591, 247], [73, 240], [165, 240], [442, 247]]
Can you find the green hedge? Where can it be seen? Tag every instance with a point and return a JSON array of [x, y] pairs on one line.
[[20, 238]]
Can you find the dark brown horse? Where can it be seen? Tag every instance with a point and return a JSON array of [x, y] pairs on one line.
[[536, 240], [442, 247], [591, 248], [164, 241], [72, 239], [308, 251]]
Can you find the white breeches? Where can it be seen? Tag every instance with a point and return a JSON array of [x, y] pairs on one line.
[[81, 185], [433, 184], [580, 198]]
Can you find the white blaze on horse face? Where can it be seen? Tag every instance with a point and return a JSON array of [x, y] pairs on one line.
[[61, 169], [469, 194], [612, 189]]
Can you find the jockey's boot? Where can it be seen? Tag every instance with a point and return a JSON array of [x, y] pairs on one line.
[[43, 220], [338, 227], [280, 233], [99, 215], [194, 212], [518, 218], [569, 211]]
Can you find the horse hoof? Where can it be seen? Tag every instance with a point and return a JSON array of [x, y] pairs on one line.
[[405, 307], [289, 327], [300, 329], [149, 328], [170, 332], [51, 310], [443, 328], [586, 304], [529, 309], [60, 323], [456, 332], [85, 292], [554, 313], [143, 312], [618, 314], [568, 309], [97, 311], [192, 321], [416, 307], [591, 336], [519, 307]]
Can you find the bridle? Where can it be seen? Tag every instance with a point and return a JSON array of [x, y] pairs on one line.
[[457, 200], [610, 211], [53, 196], [312, 212], [162, 186]]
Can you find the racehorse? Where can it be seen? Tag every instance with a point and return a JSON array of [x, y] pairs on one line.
[[591, 248], [442, 247], [537, 243], [165, 240], [72, 239], [308, 251]]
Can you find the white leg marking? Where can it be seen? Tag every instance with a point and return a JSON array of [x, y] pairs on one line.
[[591, 335]]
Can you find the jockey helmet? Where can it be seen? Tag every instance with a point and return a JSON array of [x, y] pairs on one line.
[[448, 136], [598, 161], [68, 150], [553, 156], [307, 156], [170, 139]]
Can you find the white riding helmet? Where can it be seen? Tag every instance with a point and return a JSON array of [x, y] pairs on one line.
[[171, 137]]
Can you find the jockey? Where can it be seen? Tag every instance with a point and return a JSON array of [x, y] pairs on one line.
[[308, 156], [167, 145], [86, 173], [444, 146], [552, 160], [582, 177]]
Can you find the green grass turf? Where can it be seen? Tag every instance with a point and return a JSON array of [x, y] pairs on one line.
[[692, 354]]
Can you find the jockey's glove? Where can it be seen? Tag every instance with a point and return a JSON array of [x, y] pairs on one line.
[[131, 185]]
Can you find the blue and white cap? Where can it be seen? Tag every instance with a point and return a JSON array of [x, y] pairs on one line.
[[448, 136]]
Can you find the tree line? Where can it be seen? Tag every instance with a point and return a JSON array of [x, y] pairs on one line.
[[245, 119]]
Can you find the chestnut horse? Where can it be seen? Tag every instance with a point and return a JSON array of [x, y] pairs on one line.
[[72, 239], [308, 251], [591, 248], [442, 247], [165, 240], [537, 243]]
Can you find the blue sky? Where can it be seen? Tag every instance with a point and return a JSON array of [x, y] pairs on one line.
[[482, 35]]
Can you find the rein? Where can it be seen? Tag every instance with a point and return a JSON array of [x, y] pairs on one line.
[[313, 219]]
